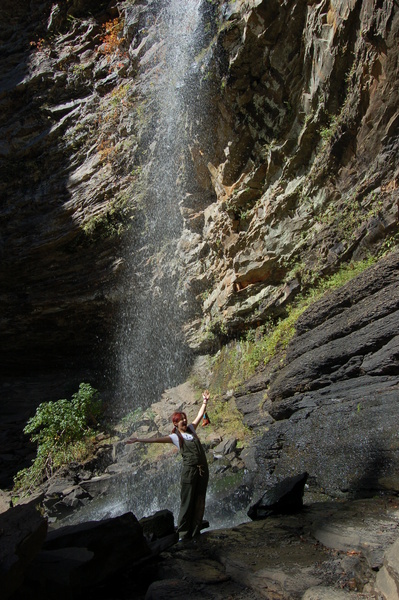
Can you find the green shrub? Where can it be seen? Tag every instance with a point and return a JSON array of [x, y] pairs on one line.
[[63, 431]]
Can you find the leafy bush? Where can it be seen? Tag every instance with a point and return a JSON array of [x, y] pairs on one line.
[[63, 431]]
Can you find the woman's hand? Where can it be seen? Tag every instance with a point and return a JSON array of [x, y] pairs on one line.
[[206, 395]]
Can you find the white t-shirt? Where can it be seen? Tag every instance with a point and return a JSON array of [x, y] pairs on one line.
[[186, 436]]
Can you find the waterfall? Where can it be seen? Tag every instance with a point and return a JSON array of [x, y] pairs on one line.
[[152, 355]]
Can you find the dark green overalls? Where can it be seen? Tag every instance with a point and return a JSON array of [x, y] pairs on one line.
[[194, 481]]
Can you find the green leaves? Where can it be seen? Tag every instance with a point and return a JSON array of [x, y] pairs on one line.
[[62, 431], [65, 421]]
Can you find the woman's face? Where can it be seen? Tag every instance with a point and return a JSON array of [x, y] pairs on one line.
[[182, 424]]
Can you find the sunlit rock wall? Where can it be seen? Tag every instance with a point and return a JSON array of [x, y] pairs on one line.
[[304, 158], [291, 169]]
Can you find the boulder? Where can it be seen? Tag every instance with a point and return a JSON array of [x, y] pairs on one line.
[[94, 555], [58, 574], [84, 555], [284, 497], [225, 447], [22, 534], [75, 558], [61, 500], [158, 525], [106, 538], [387, 581]]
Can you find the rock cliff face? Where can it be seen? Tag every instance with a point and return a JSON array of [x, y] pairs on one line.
[[304, 166], [289, 170], [331, 408], [54, 181]]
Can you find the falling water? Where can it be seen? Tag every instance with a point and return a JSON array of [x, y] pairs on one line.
[[152, 355]]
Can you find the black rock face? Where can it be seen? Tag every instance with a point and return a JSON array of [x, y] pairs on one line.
[[285, 497]]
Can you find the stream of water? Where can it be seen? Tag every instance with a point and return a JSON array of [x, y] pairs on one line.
[[152, 355]]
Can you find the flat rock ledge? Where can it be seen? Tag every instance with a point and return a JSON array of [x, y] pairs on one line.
[[327, 551]]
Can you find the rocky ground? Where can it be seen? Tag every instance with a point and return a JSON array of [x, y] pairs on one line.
[[327, 551]]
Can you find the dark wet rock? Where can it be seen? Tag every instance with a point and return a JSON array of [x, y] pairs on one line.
[[65, 500], [359, 290], [22, 534], [122, 534], [103, 457], [285, 497], [158, 525], [248, 456], [251, 405], [61, 573], [74, 558], [344, 436], [73, 486], [98, 485], [332, 403]]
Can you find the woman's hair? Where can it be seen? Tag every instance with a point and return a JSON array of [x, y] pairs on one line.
[[176, 417]]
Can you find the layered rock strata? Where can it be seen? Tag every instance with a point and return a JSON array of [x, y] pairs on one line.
[[292, 168], [290, 171], [333, 401]]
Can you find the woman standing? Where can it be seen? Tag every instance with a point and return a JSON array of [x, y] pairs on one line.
[[195, 474]]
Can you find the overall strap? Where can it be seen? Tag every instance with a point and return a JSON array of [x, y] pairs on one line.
[[191, 428]]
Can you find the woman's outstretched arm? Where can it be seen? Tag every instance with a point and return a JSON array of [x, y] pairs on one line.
[[205, 398], [160, 440]]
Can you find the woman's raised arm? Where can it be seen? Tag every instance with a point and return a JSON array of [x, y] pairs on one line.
[[205, 398]]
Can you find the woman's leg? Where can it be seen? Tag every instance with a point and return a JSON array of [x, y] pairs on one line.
[[199, 503], [187, 504]]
